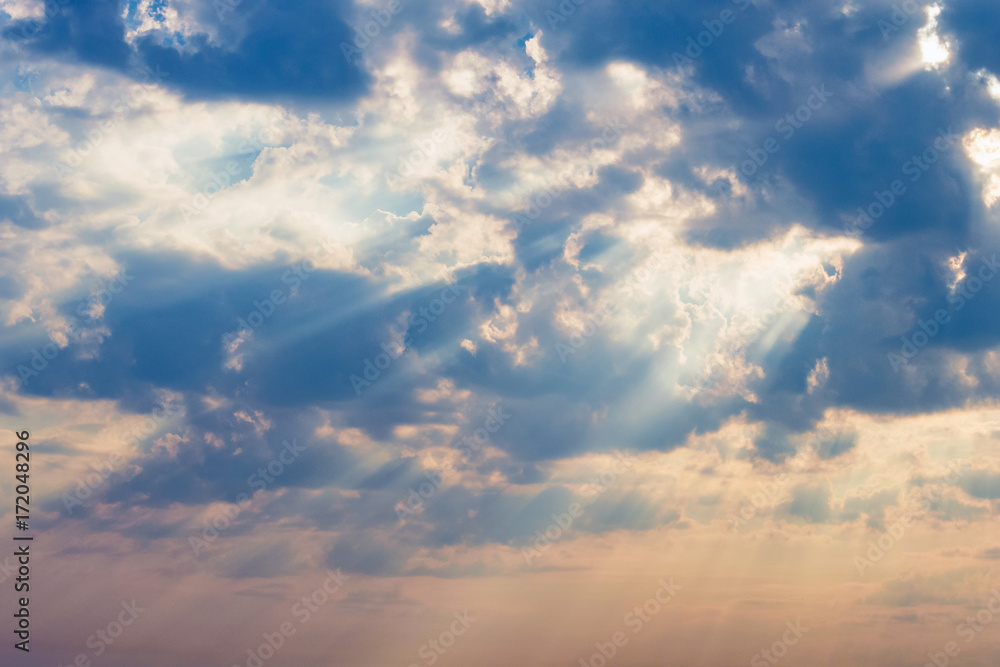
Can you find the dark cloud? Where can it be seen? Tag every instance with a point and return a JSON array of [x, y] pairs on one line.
[[977, 28], [267, 50], [811, 503], [18, 211], [981, 484], [286, 52], [773, 444], [873, 506], [90, 30]]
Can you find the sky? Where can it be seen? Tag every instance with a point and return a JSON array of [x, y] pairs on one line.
[[495, 332]]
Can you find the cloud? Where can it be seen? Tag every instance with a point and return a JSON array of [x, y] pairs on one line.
[[981, 484], [953, 587], [632, 270], [276, 53], [811, 503]]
